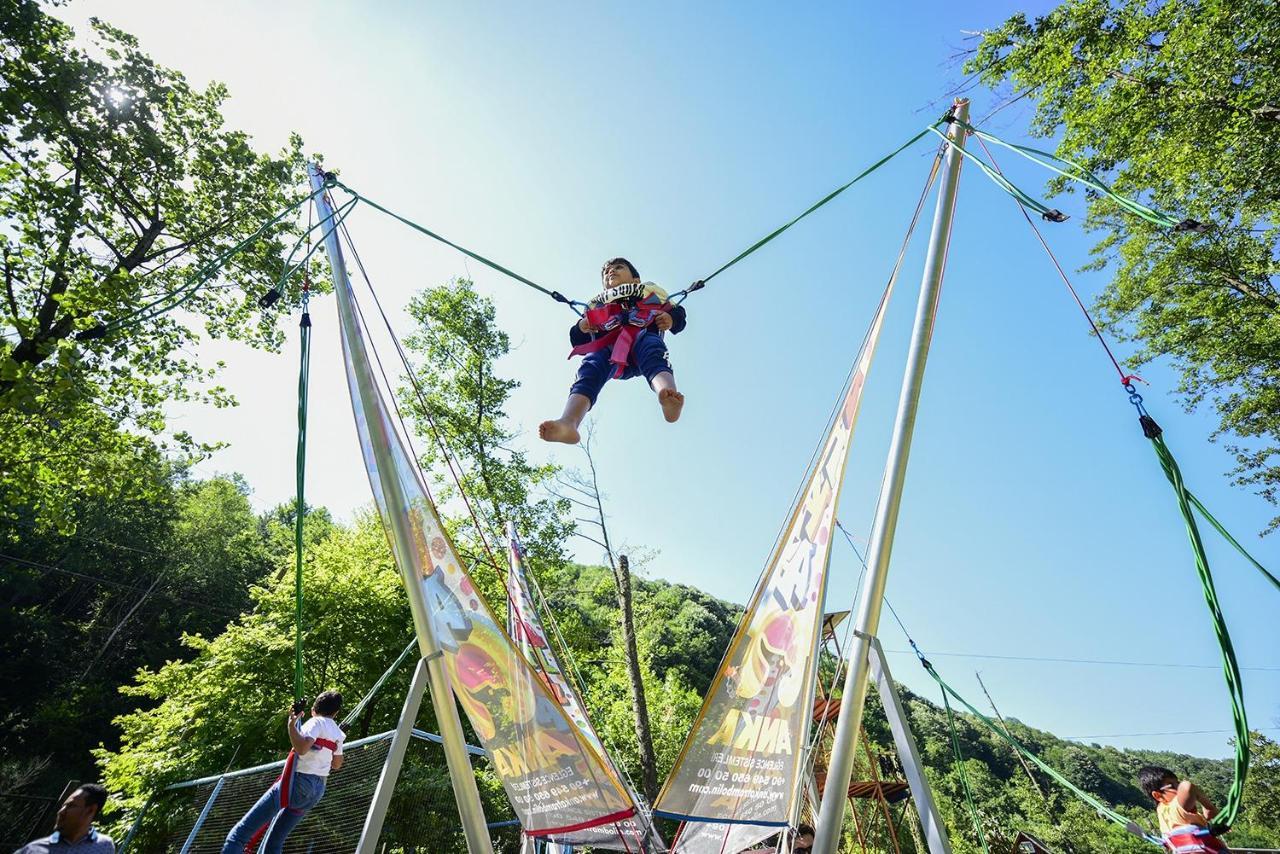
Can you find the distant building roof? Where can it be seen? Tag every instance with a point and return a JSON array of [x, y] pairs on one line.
[[1028, 844]]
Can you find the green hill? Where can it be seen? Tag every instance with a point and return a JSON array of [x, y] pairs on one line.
[[216, 701]]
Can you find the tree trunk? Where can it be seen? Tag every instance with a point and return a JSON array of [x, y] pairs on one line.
[[644, 736]]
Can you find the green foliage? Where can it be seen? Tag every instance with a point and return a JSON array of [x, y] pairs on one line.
[[1262, 790], [226, 705], [228, 701], [82, 612], [119, 183], [684, 631], [458, 341], [1176, 103]]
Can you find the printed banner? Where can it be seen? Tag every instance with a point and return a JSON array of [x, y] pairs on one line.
[[556, 781], [525, 626], [737, 777]]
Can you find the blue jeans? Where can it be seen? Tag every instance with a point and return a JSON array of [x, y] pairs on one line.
[[649, 358], [306, 793]]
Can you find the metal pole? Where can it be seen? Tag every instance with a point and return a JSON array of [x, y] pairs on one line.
[[133, 828], [908, 753], [462, 776], [204, 814], [831, 817], [395, 758]]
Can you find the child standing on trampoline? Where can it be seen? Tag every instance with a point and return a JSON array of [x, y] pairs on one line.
[[317, 750], [621, 335]]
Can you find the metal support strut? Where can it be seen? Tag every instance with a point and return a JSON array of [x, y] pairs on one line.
[[831, 816], [461, 775]]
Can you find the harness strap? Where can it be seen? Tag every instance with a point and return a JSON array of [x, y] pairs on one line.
[[1192, 839], [621, 329], [286, 778], [325, 742]]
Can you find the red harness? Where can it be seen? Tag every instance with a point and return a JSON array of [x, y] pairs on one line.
[[621, 327], [1194, 840]]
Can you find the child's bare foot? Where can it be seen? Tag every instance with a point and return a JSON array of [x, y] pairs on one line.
[[671, 402], [564, 431]]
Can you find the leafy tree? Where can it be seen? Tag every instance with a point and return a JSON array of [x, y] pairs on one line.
[[120, 186], [684, 630], [1262, 789], [1176, 102], [79, 613], [226, 705], [459, 341], [228, 701]]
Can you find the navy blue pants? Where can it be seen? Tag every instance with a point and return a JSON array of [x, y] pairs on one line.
[[648, 357]]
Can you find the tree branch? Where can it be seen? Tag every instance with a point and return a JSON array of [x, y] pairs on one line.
[[8, 285], [189, 242]]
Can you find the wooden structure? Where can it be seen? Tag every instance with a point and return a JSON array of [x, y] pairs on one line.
[[880, 802]]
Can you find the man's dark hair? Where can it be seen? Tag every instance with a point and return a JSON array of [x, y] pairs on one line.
[[1153, 778], [802, 829], [95, 794], [612, 261], [328, 703]]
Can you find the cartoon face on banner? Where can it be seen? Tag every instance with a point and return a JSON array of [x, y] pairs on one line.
[[740, 762]]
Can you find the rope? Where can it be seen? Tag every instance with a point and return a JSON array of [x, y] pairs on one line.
[[676, 297], [957, 751], [300, 466], [377, 686], [1186, 501], [1231, 669], [1102, 809], [435, 430], [1081, 174], [493, 265], [202, 275], [1195, 502], [958, 762], [1124, 378], [701, 283], [1023, 198]]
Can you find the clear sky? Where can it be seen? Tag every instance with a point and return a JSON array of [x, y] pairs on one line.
[[1036, 521]]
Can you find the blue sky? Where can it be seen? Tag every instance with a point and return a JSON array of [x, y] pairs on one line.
[[1036, 521]]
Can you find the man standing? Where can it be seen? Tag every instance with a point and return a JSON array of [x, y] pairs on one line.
[[74, 829], [317, 750]]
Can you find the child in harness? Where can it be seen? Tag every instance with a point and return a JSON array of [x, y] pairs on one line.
[[1183, 811], [620, 336]]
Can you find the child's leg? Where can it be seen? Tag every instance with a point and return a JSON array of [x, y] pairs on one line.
[[258, 816], [307, 791], [593, 373], [655, 362]]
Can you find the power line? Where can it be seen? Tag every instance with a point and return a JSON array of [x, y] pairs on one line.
[[112, 582], [1097, 661], [1173, 732], [1038, 659]]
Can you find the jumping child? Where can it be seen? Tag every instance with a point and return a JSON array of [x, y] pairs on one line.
[[621, 335], [317, 750], [1183, 811]]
